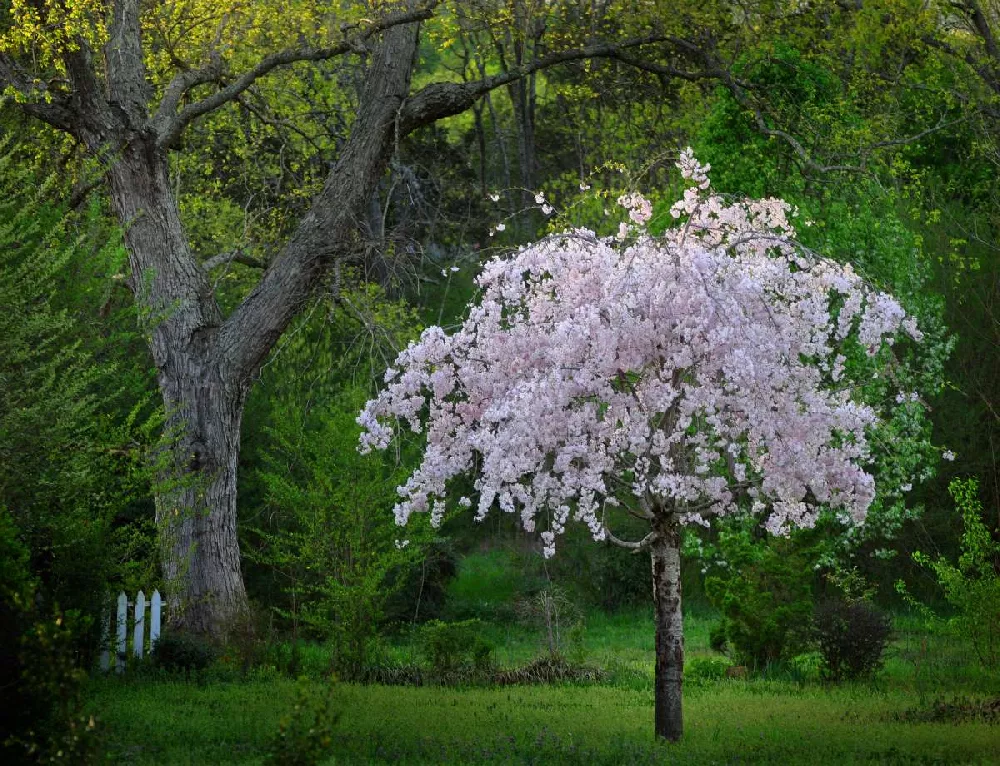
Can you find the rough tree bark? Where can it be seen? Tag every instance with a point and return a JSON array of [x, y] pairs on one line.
[[665, 552], [241, 344]]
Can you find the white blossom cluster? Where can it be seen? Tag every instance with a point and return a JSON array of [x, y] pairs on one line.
[[682, 372]]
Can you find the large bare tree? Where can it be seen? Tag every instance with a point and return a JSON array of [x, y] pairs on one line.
[[206, 361]]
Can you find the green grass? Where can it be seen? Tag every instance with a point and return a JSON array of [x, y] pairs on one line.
[[726, 722], [780, 718]]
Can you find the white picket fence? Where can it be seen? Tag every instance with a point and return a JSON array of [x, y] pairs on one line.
[[139, 608]]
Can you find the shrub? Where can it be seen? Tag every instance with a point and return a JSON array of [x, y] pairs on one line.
[[330, 532], [706, 669], [554, 613], [450, 645], [973, 587], [852, 638], [765, 601], [71, 462], [247, 638], [305, 734]]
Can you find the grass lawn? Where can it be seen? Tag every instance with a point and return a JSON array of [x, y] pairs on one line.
[[762, 720], [726, 722]]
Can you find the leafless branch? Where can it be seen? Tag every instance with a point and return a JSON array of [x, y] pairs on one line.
[[636, 547], [439, 99], [234, 256]]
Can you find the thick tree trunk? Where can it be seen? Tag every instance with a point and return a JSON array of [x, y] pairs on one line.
[[666, 555], [205, 365], [196, 482], [196, 504]]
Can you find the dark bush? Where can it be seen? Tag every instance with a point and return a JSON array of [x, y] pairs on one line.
[[181, 652], [852, 638], [247, 638], [422, 595], [717, 637], [614, 579], [41, 681]]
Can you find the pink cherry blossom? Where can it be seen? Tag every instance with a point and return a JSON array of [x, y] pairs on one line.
[[684, 374]]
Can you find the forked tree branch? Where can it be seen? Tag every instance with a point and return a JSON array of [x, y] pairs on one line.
[[170, 123], [33, 97]]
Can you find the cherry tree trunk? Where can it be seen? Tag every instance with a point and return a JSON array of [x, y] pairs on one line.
[[666, 557]]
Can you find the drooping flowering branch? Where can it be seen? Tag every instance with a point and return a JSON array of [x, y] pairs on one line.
[[678, 373]]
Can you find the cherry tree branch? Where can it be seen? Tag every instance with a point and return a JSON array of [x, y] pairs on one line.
[[636, 547]]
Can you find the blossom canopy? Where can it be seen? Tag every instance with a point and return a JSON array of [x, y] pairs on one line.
[[685, 372]]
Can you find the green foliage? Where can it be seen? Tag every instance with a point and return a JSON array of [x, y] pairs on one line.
[[488, 585], [41, 716], [864, 219], [972, 588], [332, 540], [717, 639], [806, 666], [305, 735], [706, 669], [71, 428], [764, 599], [73, 419], [448, 646]]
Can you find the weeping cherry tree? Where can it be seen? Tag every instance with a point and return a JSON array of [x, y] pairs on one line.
[[679, 378]]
